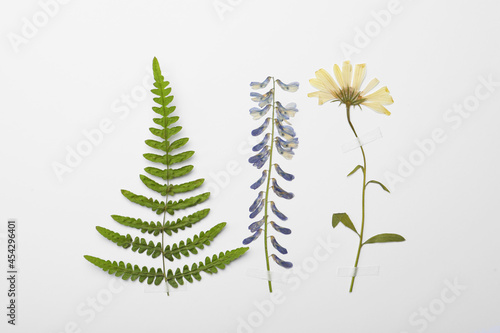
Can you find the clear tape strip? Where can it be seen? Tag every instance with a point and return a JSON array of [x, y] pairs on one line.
[[362, 140], [358, 271], [267, 275]]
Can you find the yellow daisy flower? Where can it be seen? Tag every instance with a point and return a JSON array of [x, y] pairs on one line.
[[346, 89]]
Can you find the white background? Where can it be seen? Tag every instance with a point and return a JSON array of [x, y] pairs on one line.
[[75, 70]]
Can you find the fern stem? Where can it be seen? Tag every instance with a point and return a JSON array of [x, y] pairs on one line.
[[267, 189], [362, 199]]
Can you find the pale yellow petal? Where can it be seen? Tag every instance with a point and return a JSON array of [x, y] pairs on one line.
[[327, 81], [373, 83], [322, 96], [359, 76], [338, 75], [377, 108], [381, 96], [318, 84], [346, 73]]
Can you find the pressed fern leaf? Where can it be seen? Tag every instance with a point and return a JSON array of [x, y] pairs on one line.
[[159, 181]]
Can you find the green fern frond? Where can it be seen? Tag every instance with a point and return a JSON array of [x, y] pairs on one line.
[[160, 182]]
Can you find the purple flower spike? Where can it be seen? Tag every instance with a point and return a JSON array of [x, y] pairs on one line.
[[286, 176], [277, 246], [284, 231], [282, 263], [260, 181], [276, 212], [250, 239]]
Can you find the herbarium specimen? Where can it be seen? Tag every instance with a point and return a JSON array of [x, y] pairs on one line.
[[284, 142], [347, 91], [163, 169]]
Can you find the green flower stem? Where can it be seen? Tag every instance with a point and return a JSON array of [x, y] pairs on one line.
[[362, 197], [267, 189]]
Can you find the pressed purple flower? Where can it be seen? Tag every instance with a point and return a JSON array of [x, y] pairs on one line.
[[291, 87], [260, 181], [250, 239], [282, 118], [289, 110], [285, 152], [283, 230], [261, 158], [257, 210], [261, 128], [285, 131], [282, 263], [260, 85], [292, 143], [256, 225], [257, 201], [286, 176], [281, 192], [257, 113], [277, 246], [276, 212], [267, 98], [264, 141]]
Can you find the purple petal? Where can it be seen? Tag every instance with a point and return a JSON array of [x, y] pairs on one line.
[[277, 246], [286, 176], [256, 225], [281, 192], [250, 239], [260, 181], [283, 230], [282, 263], [276, 212]]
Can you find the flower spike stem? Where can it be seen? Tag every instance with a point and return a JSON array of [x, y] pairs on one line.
[[267, 187], [362, 196]]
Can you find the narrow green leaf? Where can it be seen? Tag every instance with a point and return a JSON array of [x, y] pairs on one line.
[[169, 173], [120, 240], [169, 159], [355, 169], [186, 187], [346, 221], [154, 228], [158, 145], [127, 271], [177, 144], [172, 159], [189, 202], [155, 205], [191, 245], [385, 238], [165, 123], [209, 266], [186, 221], [379, 183], [162, 189]]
